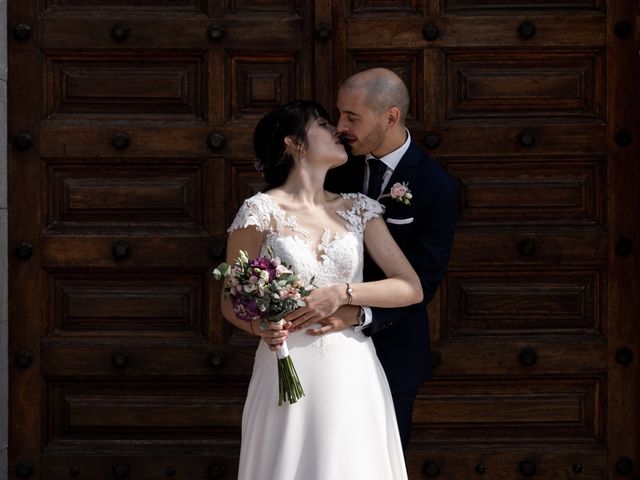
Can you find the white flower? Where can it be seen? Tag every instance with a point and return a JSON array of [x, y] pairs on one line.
[[281, 269], [264, 276]]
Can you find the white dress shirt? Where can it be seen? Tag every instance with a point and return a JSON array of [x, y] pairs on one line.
[[391, 160]]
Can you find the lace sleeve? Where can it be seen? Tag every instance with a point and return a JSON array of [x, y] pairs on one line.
[[252, 212], [362, 210]]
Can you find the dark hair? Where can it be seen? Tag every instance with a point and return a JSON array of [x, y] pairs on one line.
[[291, 119]]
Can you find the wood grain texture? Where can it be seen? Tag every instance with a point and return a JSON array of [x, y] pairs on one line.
[[134, 367]]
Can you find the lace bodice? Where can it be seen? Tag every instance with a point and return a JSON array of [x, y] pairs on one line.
[[335, 257]]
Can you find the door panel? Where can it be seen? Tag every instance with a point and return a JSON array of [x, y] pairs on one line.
[[524, 84], [131, 305], [523, 191], [115, 85], [459, 412]]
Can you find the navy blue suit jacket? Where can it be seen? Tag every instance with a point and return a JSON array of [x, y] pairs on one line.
[[401, 335]]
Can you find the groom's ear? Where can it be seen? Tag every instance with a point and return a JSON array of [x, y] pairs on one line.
[[393, 117]]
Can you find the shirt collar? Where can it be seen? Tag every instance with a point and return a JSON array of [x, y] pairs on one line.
[[392, 159]]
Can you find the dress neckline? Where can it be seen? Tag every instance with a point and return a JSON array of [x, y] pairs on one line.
[[323, 244]]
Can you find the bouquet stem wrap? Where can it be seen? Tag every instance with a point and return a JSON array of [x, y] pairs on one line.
[[289, 387]]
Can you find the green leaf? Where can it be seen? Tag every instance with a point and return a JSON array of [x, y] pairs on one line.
[[220, 271], [285, 278]]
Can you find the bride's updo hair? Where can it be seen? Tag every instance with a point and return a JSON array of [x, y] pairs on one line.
[[292, 119]]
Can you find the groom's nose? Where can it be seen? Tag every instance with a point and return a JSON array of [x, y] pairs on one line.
[[341, 127]]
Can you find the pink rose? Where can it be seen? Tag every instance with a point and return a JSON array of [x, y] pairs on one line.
[[398, 190]]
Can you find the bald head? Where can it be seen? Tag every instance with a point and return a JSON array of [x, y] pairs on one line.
[[384, 89]]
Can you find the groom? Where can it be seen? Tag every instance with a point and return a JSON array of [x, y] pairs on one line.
[[373, 105]]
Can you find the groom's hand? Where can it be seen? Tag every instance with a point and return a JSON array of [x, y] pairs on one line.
[[320, 303], [345, 317]]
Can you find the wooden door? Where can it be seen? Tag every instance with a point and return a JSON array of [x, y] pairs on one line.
[[140, 116], [131, 151], [533, 333]]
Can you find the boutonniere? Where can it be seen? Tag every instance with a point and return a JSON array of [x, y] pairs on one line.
[[400, 193]]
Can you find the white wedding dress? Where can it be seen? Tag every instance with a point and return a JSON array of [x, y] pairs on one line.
[[345, 426]]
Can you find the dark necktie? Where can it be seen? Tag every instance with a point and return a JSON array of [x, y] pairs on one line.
[[376, 175]]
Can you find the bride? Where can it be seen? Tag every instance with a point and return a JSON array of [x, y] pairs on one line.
[[344, 426]]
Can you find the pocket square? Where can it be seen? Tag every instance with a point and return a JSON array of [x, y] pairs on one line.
[[400, 221]]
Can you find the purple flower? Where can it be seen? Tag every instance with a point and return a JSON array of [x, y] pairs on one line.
[[245, 307], [260, 262], [263, 264]]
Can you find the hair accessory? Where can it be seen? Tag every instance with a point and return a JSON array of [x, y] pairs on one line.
[[258, 165]]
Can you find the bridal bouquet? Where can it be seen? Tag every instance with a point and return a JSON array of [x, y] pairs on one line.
[[265, 289]]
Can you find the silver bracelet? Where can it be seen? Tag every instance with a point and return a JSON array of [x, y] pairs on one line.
[[349, 294]]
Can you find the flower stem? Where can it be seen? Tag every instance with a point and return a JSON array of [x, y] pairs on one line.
[[289, 387]]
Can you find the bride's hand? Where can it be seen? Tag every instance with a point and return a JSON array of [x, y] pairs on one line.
[[274, 336], [320, 303]]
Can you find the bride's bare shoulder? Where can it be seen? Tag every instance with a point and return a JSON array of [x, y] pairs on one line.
[[275, 196], [273, 193]]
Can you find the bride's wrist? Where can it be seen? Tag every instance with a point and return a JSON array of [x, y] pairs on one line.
[[347, 296], [253, 330]]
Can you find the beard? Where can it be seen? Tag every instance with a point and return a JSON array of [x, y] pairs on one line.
[[371, 142]]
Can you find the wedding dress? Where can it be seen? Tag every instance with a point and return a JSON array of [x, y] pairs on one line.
[[345, 426]]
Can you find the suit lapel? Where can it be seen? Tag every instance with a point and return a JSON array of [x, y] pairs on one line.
[[404, 172]]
